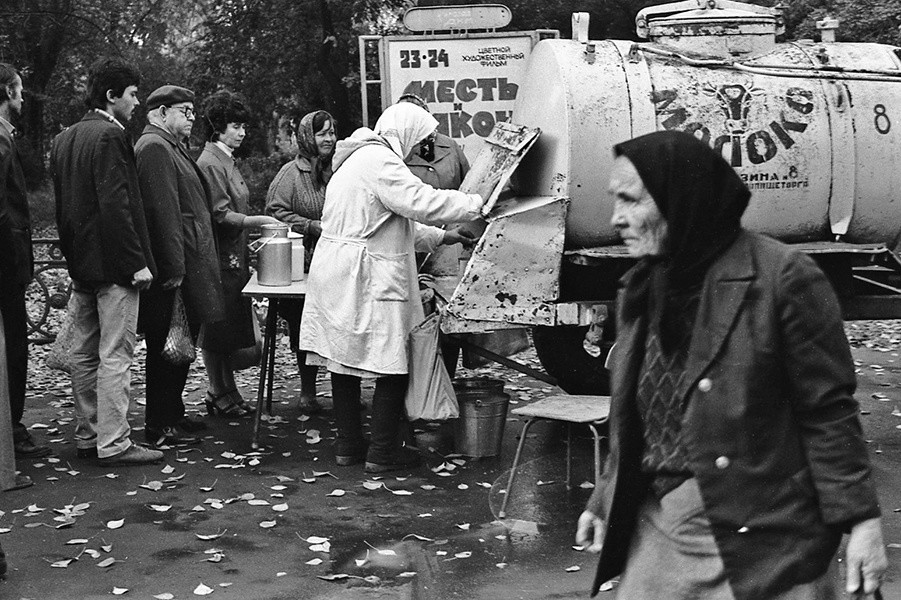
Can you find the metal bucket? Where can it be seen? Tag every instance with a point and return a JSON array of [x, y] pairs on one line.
[[479, 431]]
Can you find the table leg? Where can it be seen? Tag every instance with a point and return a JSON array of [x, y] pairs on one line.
[[270, 375], [522, 441], [268, 345]]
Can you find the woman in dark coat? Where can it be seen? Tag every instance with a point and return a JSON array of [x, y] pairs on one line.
[[736, 455], [296, 196], [225, 116]]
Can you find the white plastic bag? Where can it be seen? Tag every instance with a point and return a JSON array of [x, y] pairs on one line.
[[430, 393]]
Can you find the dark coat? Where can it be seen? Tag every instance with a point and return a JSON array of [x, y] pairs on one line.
[[177, 205], [16, 258], [229, 198], [770, 426], [447, 170], [99, 212]]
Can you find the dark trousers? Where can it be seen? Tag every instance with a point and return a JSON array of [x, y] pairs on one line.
[[387, 412], [165, 381], [12, 305]]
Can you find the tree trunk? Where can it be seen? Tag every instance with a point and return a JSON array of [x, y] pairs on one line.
[[333, 78]]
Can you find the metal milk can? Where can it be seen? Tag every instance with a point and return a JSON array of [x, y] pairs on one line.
[[274, 256], [297, 255]]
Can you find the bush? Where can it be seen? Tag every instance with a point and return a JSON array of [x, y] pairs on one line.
[[258, 172], [42, 206]]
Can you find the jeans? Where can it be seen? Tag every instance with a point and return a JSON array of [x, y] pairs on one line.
[[105, 326]]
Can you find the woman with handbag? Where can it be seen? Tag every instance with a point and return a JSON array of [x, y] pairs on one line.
[[225, 116], [296, 196], [363, 297]]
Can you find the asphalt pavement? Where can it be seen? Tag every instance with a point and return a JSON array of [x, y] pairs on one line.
[[222, 520]]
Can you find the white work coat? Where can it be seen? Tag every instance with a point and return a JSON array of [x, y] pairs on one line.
[[362, 291]]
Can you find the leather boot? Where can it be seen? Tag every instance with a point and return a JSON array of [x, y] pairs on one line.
[[386, 453], [350, 446]]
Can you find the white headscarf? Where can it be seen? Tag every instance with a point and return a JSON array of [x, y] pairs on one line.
[[404, 125]]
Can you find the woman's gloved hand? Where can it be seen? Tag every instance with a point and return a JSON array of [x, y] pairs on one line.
[[458, 235]]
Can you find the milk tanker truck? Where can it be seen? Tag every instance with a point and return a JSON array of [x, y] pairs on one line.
[[813, 128]]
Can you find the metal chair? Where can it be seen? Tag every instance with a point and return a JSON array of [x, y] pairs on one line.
[[589, 410]]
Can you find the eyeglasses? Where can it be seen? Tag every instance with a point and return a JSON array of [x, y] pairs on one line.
[[187, 111]]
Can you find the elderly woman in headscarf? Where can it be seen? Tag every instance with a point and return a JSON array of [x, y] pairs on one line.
[[736, 455], [363, 297], [296, 196]]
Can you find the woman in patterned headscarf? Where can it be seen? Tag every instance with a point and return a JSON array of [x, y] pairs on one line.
[[296, 196]]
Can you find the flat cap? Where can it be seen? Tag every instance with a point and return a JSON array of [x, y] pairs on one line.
[[168, 95]]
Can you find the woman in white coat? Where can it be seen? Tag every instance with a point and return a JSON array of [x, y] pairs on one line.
[[363, 296]]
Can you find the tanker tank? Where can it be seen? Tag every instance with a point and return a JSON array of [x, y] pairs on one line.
[[812, 128]]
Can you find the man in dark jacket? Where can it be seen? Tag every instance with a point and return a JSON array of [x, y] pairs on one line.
[[177, 206], [736, 459], [103, 235], [16, 260]]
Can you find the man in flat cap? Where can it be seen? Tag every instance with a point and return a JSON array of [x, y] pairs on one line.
[[178, 209], [103, 235]]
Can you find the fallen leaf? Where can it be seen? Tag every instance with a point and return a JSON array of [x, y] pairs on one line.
[[258, 502], [463, 526], [160, 507], [203, 590], [115, 524], [62, 564], [586, 485], [314, 539], [211, 536], [315, 562], [573, 569], [427, 487], [336, 493], [106, 562], [92, 553], [463, 486], [166, 596], [501, 565], [167, 469], [152, 485], [407, 574], [77, 542], [323, 547], [402, 492], [387, 552], [335, 577], [606, 586], [418, 537], [280, 507], [578, 548], [267, 524], [372, 485], [466, 554], [108, 548], [117, 591]]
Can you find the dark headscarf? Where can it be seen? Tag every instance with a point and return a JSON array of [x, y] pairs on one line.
[[702, 199], [306, 145]]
